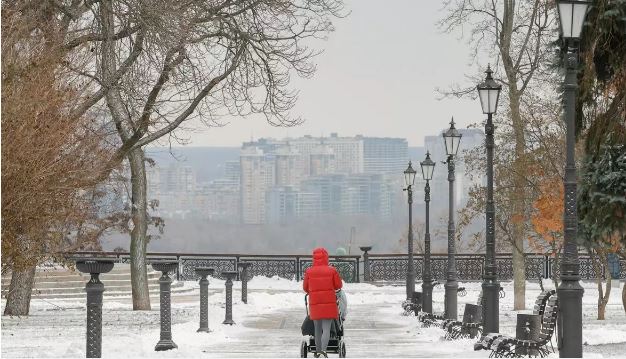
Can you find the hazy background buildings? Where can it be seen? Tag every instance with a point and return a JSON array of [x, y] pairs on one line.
[[291, 194]]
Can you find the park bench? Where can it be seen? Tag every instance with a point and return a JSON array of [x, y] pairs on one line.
[[506, 347], [414, 305], [470, 327], [487, 340], [433, 319]]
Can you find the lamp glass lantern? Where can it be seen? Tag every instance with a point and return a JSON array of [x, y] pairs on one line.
[[452, 139], [489, 93], [572, 16], [409, 175], [428, 167]]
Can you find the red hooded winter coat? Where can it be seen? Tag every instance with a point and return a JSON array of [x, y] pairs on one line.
[[320, 282]]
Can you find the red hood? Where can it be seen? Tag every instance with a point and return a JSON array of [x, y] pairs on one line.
[[320, 257]]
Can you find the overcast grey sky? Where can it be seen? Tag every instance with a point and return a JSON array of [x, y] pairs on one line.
[[376, 77]]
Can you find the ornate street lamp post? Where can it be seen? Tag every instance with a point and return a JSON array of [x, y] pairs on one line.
[[451, 138], [489, 93], [428, 167], [409, 178], [570, 292]]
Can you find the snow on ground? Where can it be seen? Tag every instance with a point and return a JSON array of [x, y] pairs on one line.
[[269, 325]]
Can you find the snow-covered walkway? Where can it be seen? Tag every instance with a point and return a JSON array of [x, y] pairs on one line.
[[269, 325]]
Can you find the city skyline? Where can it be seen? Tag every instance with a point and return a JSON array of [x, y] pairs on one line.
[[381, 90]]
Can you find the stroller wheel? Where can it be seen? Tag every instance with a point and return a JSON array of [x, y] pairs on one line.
[[342, 349], [304, 349]]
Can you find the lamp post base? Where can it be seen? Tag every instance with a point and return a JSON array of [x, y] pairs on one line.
[[452, 290], [203, 330], [165, 344], [570, 338], [427, 297], [491, 306], [229, 322]]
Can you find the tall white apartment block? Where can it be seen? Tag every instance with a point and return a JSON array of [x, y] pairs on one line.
[[348, 153], [257, 177], [290, 166]]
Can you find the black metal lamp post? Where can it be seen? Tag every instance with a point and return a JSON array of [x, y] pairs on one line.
[[570, 292], [452, 138], [409, 178], [94, 289], [489, 93], [428, 167]]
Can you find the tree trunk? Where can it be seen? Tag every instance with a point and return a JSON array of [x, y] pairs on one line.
[[603, 298], [555, 278], [138, 236], [20, 289], [624, 297], [519, 185]]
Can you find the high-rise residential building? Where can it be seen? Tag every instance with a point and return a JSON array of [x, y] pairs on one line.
[[176, 178], [221, 200], [232, 171], [307, 176], [257, 177], [348, 153], [321, 161], [384, 155], [285, 203], [328, 189], [153, 178], [290, 166]]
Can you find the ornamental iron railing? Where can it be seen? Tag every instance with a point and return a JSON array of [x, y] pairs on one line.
[[285, 266], [393, 267], [382, 267]]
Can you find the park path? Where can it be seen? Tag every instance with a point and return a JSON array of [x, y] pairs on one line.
[[370, 331]]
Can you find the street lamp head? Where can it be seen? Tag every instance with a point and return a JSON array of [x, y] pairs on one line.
[[571, 17], [489, 93], [452, 138], [428, 167], [409, 175]]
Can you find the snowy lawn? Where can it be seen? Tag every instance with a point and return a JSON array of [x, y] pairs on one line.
[[269, 325]]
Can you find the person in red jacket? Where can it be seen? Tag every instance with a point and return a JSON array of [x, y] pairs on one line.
[[320, 282]]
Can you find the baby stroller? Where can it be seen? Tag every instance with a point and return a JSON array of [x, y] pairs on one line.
[[336, 345]]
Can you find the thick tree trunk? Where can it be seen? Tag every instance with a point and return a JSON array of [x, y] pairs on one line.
[[20, 289], [519, 210], [138, 236]]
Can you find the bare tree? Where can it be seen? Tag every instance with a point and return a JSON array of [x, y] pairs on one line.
[[49, 155], [159, 65], [516, 35]]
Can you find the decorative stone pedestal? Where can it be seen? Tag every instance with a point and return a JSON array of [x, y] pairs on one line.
[[244, 266], [230, 275], [366, 263], [165, 267], [204, 297], [94, 289]]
